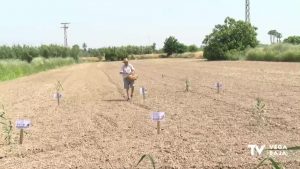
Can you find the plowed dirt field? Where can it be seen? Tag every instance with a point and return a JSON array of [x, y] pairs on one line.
[[94, 127]]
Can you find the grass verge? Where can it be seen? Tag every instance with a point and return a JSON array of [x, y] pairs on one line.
[[11, 69]]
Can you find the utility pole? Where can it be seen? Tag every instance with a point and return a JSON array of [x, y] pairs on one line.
[[65, 27], [247, 11]]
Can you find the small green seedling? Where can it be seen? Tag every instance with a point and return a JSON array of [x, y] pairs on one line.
[[274, 164], [187, 85], [6, 126], [150, 158], [8, 132], [259, 110], [59, 88]]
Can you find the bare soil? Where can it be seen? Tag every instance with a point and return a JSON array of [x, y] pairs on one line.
[[94, 127]]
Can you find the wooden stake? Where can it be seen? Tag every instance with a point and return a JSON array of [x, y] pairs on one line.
[[144, 94], [57, 95], [21, 136], [158, 127]]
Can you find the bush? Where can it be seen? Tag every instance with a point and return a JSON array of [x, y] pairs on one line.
[[233, 35], [295, 40], [192, 48], [235, 55], [277, 52]]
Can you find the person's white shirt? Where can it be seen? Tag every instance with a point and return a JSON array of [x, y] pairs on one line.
[[126, 70]]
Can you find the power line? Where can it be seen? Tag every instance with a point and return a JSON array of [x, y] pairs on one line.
[[65, 27]]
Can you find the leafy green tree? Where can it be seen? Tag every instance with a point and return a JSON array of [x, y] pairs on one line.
[[232, 35], [25, 55], [278, 36], [33, 52], [270, 33], [44, 51], [181, 48], [153, 47], [192, 48], [295, 40], [274, 34], [84, 46], [171, 45], [6, 52], [75, 52]]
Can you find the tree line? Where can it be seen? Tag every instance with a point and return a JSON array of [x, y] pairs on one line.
[[118, 53], [171, 46], [28, 53], [226, 40]]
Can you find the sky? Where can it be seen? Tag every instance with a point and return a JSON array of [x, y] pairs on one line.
[[102, 23]]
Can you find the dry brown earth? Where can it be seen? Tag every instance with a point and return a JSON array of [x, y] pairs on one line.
[[94, 128]]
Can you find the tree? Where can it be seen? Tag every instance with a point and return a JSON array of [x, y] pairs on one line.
[[278, 36], [84, 46], [44, 51], [274, 34], [271, 33], [295, 40], [181, 48], [171, 45], [192, 48], [232, 35], [75, 52], [153, 47]]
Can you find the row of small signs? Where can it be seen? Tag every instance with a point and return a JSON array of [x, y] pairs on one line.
[[143, 91], [218, 86], [23, 123], [155, 116]]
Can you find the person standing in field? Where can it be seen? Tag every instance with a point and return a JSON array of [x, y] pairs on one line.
[[126, 71]]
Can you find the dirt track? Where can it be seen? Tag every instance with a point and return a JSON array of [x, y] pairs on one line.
[[94, 128]]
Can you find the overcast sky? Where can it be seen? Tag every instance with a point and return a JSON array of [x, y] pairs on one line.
[[102, 23]]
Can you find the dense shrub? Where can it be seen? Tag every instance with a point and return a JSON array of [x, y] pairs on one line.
[[293, 40], [192, 48], [235, 55], [277, 52]]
